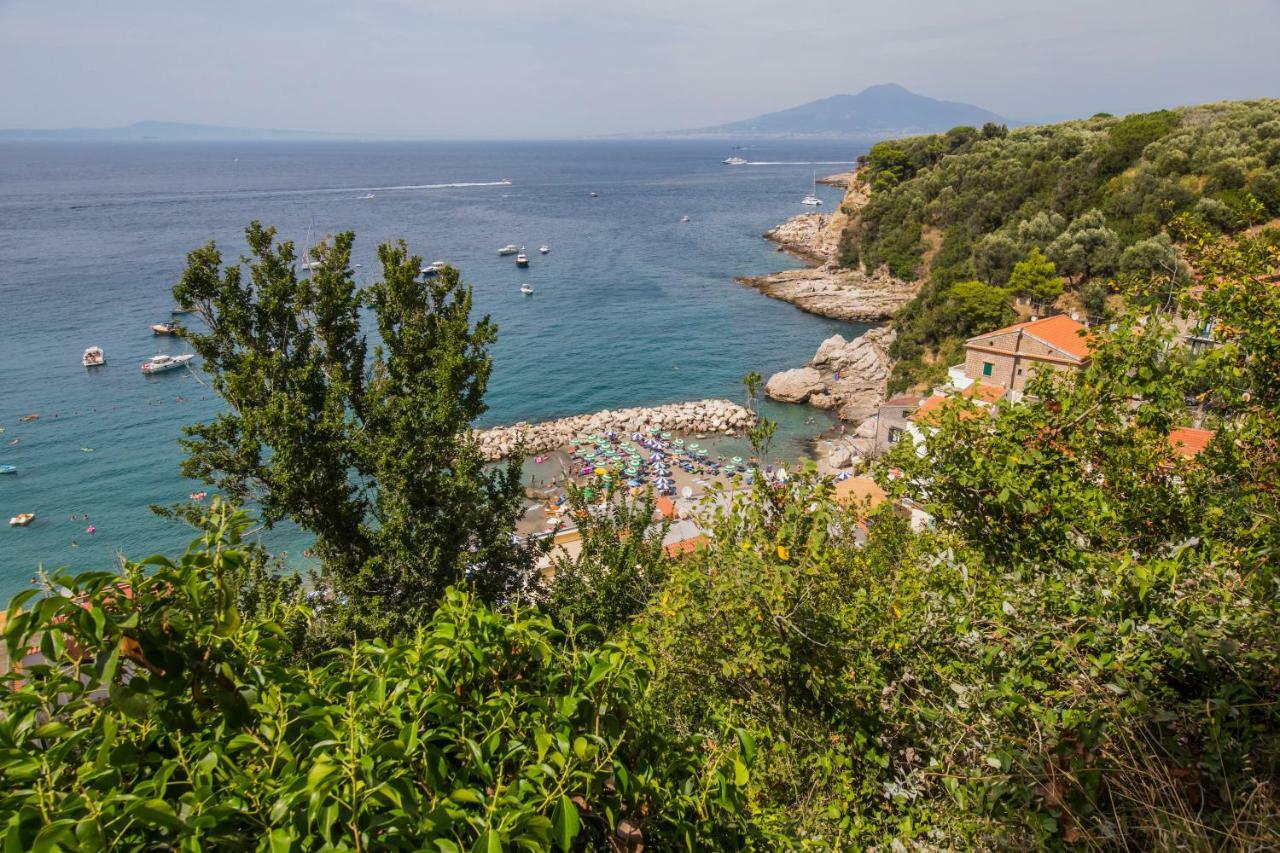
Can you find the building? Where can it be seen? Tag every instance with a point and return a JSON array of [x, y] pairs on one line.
[[893, 420], [1009, 357]]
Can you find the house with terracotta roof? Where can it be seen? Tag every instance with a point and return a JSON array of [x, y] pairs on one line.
[[1009, 357], [1188, 442]]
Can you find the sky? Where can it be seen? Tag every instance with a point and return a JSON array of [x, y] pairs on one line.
[[567, 68]]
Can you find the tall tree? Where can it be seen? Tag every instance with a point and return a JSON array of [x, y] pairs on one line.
[[375, 456]]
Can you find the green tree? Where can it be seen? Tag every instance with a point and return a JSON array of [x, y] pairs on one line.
[[975, 307], [1087, 248], [1035, 278], [375, 457]]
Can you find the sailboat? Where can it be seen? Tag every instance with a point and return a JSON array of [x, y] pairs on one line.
[[812, 197]]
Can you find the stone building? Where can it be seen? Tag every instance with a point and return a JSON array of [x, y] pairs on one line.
[[1009, 357]]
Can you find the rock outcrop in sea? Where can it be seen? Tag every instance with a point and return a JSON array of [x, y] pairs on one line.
[[699, 416], [847, 376], [827, 289]]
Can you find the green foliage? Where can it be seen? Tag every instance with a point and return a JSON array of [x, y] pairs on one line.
[[374, 456], [161, 718], [982, 191], [1036, 278]]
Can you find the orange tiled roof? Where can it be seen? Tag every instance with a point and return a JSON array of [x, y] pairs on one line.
[[979, 392], [859, 490], [928, 407], [684, 546], [666, 507], [984, 393], [904, 400], [1188, 441], [1058, 331]]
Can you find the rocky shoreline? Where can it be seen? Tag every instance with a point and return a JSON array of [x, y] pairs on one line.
[[699, 416]]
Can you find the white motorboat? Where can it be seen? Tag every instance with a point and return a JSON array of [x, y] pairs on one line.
[[522, 260], [165, 329], [526, 289], [595, 195], [22, 519], [684, 219], [734, 161], [434, 268], [162, 363], [812, 198], [544, 248], [93, 357], [509, 249]]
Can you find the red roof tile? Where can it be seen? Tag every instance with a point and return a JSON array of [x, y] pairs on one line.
[[1058, 331], [1188, 441]]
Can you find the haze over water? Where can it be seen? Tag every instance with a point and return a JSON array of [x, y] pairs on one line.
[[631, 307]]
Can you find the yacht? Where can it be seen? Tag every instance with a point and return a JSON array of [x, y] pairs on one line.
[[161, 363], [526, 289], [544, 248], [522, 260], [93, 357], [812, 197], [734, 161], [168, 329], [22, 519], [509, 249], [684, 219], [433, 268]]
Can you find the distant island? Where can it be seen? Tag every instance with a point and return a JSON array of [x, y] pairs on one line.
[[166, 131], [878, 111]]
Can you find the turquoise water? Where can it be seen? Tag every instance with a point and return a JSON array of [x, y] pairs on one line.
[[631, 307]]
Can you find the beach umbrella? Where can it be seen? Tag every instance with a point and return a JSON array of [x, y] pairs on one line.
[[693, 445], [702, 451], [636, 436], [600, 472], [687, 492], [666, 435], [655, 457], [737, 460], [679, 442]]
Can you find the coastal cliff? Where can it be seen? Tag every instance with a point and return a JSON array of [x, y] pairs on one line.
[[826, 288]]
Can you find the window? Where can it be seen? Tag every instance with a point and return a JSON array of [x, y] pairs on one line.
[[895, 435], [988, 368]]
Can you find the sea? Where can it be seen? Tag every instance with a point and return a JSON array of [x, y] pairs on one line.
[[631, 306]]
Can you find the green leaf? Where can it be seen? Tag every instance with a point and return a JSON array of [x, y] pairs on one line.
[[155, 812], [565, 823]]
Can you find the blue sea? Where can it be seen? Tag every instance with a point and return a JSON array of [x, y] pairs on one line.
[[631, 307]]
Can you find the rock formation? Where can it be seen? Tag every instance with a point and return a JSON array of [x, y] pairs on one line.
[[848, 376], [699, 416]]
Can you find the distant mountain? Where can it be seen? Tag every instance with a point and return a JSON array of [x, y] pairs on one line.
[[168, 131], [883, 110]]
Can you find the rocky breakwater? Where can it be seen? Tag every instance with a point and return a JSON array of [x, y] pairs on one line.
[[847, 376], [700, 416], [826, 288]]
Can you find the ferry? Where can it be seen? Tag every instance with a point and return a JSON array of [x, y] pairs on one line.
[[509, 249], [162, 363], [93, 357], [166, 329]]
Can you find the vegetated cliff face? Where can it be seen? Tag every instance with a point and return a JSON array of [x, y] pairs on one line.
[[1095, 196]]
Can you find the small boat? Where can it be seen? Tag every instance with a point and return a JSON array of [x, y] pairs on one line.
[[734, 161], [168, 329], [178, 310], [509, 249], [684, 219], [366, 197], [595, 195], [522, 260], [433, 268], [812, 198], [8, 469], [93, 357], [26, 419], [526, 289], [22, 519], [544, 248], [162, 363]]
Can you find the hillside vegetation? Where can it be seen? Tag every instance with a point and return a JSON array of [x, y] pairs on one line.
[[1095, 197]]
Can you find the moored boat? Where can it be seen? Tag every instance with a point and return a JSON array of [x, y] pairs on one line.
[[433, 268], [526, 289], [8, 469], [162, 363], [22, 519], [522, 260], [165, 329], [509, 249], [544, 248], [93, 357]]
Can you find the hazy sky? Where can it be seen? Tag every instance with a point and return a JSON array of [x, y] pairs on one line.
[[471, 68]]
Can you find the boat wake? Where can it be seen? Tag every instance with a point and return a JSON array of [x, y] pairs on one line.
[[798, 163]]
